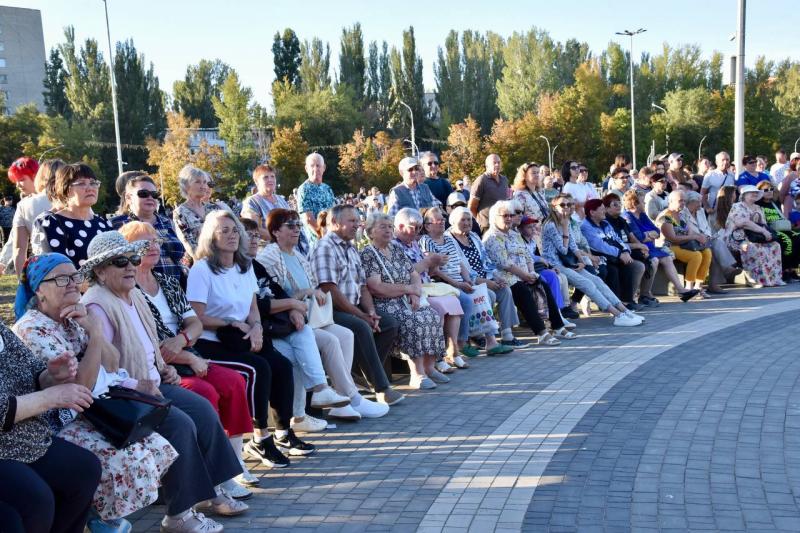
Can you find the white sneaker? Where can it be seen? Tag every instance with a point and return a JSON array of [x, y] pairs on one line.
[[246, 477], [636, 316], [586, 306], [370, 409], [236, 491], [443, 367], [347, 412], [328, 397], [421, 383], [191, 521], [624, 320], [309, 424], [438, 377]]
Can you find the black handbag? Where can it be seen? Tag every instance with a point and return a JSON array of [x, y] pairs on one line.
[[125, 416], [693, 246], [757, 237], [569, 259]]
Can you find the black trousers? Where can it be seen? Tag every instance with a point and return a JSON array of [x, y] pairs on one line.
[[205, 457], [52, 494], [270, 383], [525, 300], [620, 279], [370, 349]]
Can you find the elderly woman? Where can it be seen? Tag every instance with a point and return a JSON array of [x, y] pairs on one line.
[[527, 192], [140, 204], [482, 270], [454, 271], [747, 233], [788, 239], [257, 206], [560, 249], [293, 272], [195, 186], [222, 289], [408, 224], [48, 483], [52, 323], [508, 251], [205, 459], [396, 290], [646, 233], [178, 327], [69, 230], [687, 246]]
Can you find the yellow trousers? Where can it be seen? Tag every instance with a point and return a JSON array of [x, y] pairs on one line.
[[697, 263]]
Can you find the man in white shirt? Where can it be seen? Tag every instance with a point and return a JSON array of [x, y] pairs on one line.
[[716, 179], [778, 170]]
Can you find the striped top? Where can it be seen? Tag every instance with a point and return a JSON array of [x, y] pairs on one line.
[[449, 248]]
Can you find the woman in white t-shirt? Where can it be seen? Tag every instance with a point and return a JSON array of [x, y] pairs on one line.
[[576, 185], [222, 290]]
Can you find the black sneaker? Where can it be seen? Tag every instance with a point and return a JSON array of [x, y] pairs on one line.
[[267, 453], [293, 446], [479, 342], [633, 306], [568, 312], [515, 343]]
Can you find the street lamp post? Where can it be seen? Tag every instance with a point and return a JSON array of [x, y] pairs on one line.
[[41, 157], [666, 128], [549, 153], [633, 111], [700, 148], [411, 114], [795, 144], [113, 91], [553, 153], [738, 116]]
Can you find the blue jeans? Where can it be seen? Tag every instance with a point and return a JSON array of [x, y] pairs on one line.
[[466, 304]]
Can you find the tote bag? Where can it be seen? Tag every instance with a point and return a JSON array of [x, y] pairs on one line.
[[481, 319]]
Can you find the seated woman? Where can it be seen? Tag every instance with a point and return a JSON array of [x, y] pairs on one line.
[[222, 290], [52, 322], [396, 291], [454, 271], [48, 483], [407, 227], [484, 271], [788, 239], [140, 204], [722, 261], [761, 258], [687, 246], [507, 250], [178, 327], [560, 248], [646, 232], [205, 459], [291, 270]]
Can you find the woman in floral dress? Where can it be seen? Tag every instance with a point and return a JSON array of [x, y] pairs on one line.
[[761, 260], [51, 321], [396, 290]]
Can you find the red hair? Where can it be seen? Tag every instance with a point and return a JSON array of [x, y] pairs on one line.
[[22, 169]]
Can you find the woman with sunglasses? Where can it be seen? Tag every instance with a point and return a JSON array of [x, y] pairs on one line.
[[140, 204], [560, 248], [69, 229], [788, 239], [576, 185], [55, 326], [205, 459]]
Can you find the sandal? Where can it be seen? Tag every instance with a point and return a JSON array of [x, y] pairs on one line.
[[548, 340], [500, 349], [564, 333]]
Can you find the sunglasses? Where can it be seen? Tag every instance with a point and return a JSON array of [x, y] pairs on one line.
[[519, 213], [142, 193], [584, 170], [565, 205], [433, 163], [62, 281], [573, 168], [294, 224], [749, 162], [211, 184], [770, 189], [123, 261]]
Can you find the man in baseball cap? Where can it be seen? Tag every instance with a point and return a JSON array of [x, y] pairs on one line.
[[409, 193]]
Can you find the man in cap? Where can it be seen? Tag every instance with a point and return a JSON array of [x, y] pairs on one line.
[[409, 193], [676, 173]]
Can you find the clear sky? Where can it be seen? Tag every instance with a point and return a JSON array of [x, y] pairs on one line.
[[175, 33]]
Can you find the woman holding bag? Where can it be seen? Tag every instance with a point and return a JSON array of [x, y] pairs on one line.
[[396, 290], [292, 271]]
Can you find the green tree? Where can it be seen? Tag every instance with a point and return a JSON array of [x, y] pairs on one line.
[[528, 72], [352, 64], [88, 87], [288, 152], [464, 155], [286, 57], [328, 118], [235, 113], [17, 131], [371, 161], [449, 74], [193, 95], [55, 86], [407, 85], [379, 83], [570, 56], [315, 65]]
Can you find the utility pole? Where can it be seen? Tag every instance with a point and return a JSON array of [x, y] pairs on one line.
[[413, 144], [549, 152], [633, 109], [738, 121], [666, 128], [113, 91]]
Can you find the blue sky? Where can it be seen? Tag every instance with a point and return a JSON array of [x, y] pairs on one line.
[[176, 33]]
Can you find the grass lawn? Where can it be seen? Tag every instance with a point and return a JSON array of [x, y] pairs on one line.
[[8, 289]]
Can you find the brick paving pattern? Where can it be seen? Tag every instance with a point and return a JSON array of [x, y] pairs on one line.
[[642, 432]]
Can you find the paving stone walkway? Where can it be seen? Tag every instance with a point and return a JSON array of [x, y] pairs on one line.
[[691, 421]]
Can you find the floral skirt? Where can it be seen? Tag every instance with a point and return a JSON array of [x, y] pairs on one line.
[[762, 261], [131, 476], [420, 332]]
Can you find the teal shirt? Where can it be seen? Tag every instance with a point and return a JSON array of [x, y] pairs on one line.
[[298, 275]]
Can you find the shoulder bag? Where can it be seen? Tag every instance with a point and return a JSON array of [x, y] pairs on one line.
[[125, 416], [423, 299]]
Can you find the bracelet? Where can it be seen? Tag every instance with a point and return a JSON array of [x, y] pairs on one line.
[[186, 337]]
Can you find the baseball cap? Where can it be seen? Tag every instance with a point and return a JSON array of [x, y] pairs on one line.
[[407, 162], [795, 155], [459, 183], [456, 198], [675, 155]]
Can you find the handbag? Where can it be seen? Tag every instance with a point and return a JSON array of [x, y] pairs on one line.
[[693, 246], [481, 319], [569, 259], [125, 416], [437, 288], [320, 316], [757, 237], [276, 325], [541, 299], [780, 224]]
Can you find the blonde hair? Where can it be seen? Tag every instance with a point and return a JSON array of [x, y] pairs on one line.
[[519, 180], [136, 230], [207, 248], [630, 199]]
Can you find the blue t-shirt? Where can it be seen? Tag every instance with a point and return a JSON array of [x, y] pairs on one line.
[[745, 178]]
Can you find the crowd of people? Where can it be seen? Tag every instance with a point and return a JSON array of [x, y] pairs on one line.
[[251, 319]]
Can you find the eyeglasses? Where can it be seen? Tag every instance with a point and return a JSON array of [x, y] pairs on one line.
[[433, 163], [253, 235], [123, 260], [63, 281], [518, 213], [293, 224], [94, 184], [211, 184], [414, 169], [573, 167], [143, 193]]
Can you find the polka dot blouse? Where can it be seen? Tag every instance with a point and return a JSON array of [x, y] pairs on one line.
[[69, 236]]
